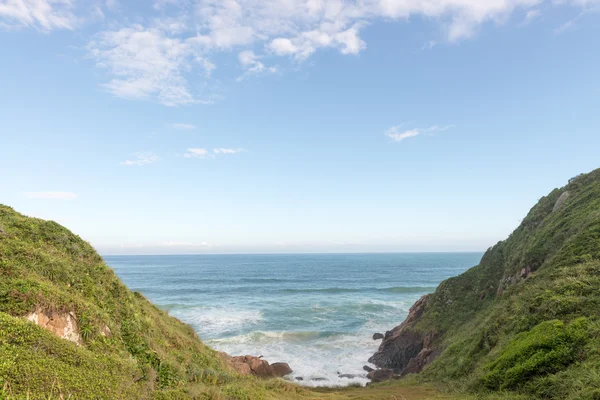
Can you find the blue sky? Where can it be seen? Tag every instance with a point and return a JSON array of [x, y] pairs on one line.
[[241, 126]]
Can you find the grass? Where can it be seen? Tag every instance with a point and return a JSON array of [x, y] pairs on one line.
[[531, 339], [536, 338]]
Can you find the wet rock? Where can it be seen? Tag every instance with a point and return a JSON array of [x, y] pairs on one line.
[[281, 369], [402, 343], [318, 379], [347, 376], [367, 368], [377, 336], [299, 378]]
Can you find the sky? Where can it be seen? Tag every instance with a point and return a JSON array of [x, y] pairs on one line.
[[285, 126]]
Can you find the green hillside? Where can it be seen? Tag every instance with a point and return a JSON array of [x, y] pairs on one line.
[[525, 323], [527, 319], [143, 354]]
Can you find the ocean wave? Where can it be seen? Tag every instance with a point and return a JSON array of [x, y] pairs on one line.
[[318, 358], [217, 321], [265, 337], [333, 290]]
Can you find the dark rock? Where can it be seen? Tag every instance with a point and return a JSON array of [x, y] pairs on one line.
[[347, 376], [415, 365], [428, 340], [299, 378], [377, 336], [380, 375], [367, 368], [402, 343], [318, 379], [281, 369]]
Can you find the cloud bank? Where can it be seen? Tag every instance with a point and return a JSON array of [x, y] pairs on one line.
[[175, 40]]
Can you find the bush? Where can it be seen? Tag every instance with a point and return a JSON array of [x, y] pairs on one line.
[[545, 349]]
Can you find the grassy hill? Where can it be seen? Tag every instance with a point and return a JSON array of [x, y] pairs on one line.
[[147, 354], [527, 319], [525, 323]]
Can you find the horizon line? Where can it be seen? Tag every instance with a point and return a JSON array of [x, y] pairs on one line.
[[292, 253]]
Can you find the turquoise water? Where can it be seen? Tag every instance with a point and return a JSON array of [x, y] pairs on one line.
[[315, 312]]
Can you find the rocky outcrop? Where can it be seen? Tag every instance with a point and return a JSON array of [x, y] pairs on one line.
[[62, 324], [380, 375], [403, 343], [251, 365], [510, 280], [561, 200], [416, 364]]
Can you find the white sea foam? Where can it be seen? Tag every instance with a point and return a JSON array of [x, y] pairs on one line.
[[317, 358], [212, 321]]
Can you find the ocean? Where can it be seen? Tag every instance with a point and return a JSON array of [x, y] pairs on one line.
[[317, 312]]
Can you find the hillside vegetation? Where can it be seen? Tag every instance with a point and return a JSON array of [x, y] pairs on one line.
[[143, 354], [526, 320], [525, 323]]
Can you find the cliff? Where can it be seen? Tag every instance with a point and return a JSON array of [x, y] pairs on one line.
[[526, 319]]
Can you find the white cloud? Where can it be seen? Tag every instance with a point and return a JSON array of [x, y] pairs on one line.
[[283, 46], [436, 128], [51, 195], [397, 135], [141, 158], [199, 152], [146, 63], [531, 15], [45, 15], [252, 64], [196, 152], [227, 151], [182, 126], [154, 58]]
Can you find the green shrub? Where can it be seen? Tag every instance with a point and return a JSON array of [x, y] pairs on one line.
[[545, 349]]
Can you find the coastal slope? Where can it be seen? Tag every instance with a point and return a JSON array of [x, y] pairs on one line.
[[69, 328], [526, 319]]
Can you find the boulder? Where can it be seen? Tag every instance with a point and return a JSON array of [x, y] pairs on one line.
[[281, 369], [260, 367], [377, 336], [561, 200], [251, 365], [367, 368], [299, 378], [62, 324], [380, 375], [242, 368]]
